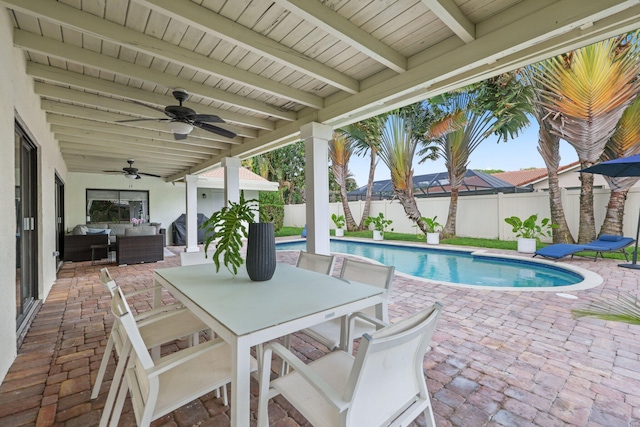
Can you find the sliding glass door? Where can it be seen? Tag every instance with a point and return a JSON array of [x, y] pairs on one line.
[[26, 225]]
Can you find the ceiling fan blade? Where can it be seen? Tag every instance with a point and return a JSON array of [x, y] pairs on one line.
[[210, 118], [142, 120], [148, 174], [215, 129], [138, 176], [179, 136]]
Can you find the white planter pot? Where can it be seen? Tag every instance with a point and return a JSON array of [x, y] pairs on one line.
[[433, 238], [339, 232], [378, 235], [526, 246]]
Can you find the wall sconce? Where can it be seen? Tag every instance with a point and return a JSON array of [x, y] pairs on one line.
[[204, 195]]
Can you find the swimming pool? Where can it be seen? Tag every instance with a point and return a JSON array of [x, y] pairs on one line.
[[464, 268]]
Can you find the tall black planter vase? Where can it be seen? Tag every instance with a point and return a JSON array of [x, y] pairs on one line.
[[261, 251]]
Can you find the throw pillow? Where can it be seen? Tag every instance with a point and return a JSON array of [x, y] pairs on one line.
[[80, 230], [610, 238]]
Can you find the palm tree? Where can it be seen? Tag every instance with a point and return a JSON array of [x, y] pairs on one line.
[[549, 149], [585, 93], [620, 308], [340, 150], [467, 117], [624, 142], [455, 143], [365, 137], [403, 131]]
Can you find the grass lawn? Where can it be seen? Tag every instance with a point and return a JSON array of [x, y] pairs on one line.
[[458, 241]]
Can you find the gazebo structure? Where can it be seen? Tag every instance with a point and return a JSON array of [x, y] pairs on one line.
[[88, 84]]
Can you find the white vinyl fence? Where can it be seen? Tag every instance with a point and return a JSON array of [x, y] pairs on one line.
[[483, 216]]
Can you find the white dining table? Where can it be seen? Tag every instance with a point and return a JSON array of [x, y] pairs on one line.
[[245, 313]]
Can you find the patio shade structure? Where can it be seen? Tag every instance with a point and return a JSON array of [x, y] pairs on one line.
[[625, 166]]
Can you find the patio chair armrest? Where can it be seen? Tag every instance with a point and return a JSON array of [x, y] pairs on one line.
[[321, 386], [157, 311], [183, 356], [379, 324]]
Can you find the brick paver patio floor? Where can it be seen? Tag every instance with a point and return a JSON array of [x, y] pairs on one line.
[[498, 358]]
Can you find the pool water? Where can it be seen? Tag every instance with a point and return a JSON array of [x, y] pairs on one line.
[[454, 266]]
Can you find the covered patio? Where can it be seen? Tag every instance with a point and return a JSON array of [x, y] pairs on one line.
[[499, 358]]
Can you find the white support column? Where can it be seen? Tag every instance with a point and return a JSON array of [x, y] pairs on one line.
[[316, 138], [191, 190], [231, 167]]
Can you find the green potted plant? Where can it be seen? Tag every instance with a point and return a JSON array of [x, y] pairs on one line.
[[229, 226], [433, 230], [339, 222], [529, 231], [380, 225]]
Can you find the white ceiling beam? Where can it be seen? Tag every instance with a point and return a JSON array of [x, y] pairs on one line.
[[77, 145], [482, 56], [449, 13], [97, 163], [72, 17], [180, 150], [80, 81], [342, 29], [212, 23], [89, 126], [64, 51], [112, 118]]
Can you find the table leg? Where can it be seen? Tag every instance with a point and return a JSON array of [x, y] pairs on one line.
[[240, 382], [157, 302]]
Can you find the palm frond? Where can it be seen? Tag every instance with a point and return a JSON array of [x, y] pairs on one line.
[[621, 307]]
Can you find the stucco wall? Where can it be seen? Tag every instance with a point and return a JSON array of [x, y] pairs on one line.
[[19, 100]]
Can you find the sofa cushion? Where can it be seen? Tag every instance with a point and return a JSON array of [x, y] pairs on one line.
[[119, 229], [143, 230], [98, 225]]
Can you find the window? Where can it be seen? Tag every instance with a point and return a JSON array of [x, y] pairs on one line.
[[117, 205]]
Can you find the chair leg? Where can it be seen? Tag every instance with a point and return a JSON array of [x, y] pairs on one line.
[[117, 409], [103, 367]]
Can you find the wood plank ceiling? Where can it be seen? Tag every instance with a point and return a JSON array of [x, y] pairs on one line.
[[268, 67]]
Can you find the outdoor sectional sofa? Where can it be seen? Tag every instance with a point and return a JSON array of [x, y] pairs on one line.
[[132, 244]]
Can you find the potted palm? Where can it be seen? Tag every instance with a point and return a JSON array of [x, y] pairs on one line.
[[380, 225], [339, 222], [529, 231], [433, 230]]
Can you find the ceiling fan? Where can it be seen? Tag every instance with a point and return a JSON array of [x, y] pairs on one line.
[[131, 172], [182, 119]]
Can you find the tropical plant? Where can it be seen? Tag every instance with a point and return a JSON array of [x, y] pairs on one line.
[[365, 137], [529, 228], [380, 223], [624, 142], [340, 150], [338, 220], [549, 149], [585, 93], [622, 307], [432, 225], [229, 226], [404, 129]]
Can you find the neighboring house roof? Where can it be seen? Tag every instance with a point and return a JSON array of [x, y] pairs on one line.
[[214, 178], [530, 176], [437, 184]]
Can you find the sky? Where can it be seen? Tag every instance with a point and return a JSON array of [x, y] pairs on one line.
[[516, 154]]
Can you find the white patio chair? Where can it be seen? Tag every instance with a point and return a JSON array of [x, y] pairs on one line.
[[328, 333], [316, 262], [161, 386], [166, 324], [383, 385], [313, 262]]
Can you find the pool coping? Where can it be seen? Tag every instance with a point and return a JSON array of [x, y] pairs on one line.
[[590, 279]]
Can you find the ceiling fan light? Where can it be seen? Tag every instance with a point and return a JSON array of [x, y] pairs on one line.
[[130, 175], [180, 127]]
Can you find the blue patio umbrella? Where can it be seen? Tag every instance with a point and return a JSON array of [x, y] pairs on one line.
[[622, 167]]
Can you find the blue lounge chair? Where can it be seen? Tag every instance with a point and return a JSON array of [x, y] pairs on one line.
[[604, 243]]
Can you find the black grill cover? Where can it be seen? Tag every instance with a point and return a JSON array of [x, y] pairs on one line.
[[179, 232]]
